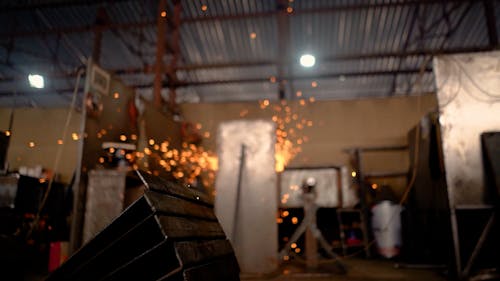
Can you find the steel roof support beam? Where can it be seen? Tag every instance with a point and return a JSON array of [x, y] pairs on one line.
[[176, 54], [150, 69], [283, 43], [159, 69], [266, 79], [307, 77], [152, 23]]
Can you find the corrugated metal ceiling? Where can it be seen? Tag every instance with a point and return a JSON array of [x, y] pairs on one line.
[[231, 50]]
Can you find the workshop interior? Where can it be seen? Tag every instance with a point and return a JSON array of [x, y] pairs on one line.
[[249, 140]]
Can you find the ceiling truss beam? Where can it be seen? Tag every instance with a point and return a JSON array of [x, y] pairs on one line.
[[194, 67], [152, 22]]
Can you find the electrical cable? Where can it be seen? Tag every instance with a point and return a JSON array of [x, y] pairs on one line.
[[58, 153], [455, 94], [476, 85]]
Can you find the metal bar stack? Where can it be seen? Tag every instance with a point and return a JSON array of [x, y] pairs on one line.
[[170, 233]]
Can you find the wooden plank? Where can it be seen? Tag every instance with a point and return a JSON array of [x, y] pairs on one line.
[[222, 269], [195, 252], [127, 220], [168, 204], [187, 228]]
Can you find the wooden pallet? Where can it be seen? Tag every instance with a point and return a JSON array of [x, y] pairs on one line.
[[170, 233]]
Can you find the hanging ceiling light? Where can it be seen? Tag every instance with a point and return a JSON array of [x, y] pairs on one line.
[[36, 81], [307, 60]]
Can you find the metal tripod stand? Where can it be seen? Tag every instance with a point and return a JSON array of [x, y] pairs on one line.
[[309, 222]]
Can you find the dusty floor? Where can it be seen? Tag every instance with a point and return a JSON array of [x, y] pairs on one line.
[[357, 270]]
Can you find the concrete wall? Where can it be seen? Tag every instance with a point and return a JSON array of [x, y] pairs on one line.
[[469, 102], [43, 127], [337, 125]]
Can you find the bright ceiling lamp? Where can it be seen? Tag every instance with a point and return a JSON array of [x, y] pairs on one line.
[[36, 81], [307, 60]]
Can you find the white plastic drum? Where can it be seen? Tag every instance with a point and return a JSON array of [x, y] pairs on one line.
[[386, 224]]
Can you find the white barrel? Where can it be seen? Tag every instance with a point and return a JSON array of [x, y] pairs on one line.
[[386, 224]]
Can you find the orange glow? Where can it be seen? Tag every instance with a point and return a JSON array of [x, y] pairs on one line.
[[151, 142], [74, 136], [314, 84], [123, 138], [59, 141], [279, 220], [116, 95], [42, 180], [295, 220], [374, 186], [285, 258], [289, 10], [312, 99], [253, 35], [133, 137], [297, 250], [299, 94], [111, 150], [7, 133], [272, 79], [31, 144], [101, 160], [243, 113], [163, 14], [293, 246], [285, 214], [204, 8]]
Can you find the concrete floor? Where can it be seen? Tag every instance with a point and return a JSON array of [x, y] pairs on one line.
[[358, 269]]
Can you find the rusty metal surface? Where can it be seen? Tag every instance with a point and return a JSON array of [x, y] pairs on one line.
[[256, 226], [469, 104], [105, 193]]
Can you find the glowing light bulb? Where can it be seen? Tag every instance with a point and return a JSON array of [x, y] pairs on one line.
[[36, 81], [307, 60]]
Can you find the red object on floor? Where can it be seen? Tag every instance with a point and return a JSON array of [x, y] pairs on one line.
[[58, 254]]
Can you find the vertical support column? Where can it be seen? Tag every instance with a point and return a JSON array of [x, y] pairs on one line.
[[160, 52], [101, 19], [283, 46], [365, 212], [96, 49], [171, 70]]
